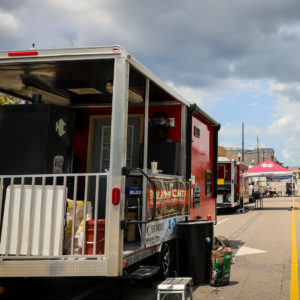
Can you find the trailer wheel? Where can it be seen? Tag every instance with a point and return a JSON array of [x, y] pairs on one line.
[[165, 260], [228, 198]]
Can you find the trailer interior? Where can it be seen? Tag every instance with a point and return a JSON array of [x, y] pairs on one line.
[[87, 92]]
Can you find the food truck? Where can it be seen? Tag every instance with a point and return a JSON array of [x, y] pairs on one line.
[[233, 188], [98, 165]]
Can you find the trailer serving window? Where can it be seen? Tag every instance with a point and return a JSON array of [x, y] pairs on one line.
[[208, 183]]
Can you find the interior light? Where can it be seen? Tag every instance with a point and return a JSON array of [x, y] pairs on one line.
[[47, 97], [133, 96], [109, 87], [86, 91]]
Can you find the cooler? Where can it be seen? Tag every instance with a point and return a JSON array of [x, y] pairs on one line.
[[99, 238]]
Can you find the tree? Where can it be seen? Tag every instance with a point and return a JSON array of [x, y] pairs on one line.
[[6, 100]]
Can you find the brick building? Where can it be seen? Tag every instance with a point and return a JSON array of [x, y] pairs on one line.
[[254, 156]]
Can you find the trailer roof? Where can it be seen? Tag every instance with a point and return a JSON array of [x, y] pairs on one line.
[[76, 75], [72, 73]]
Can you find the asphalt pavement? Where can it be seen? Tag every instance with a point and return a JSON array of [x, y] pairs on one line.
[[261, 240]]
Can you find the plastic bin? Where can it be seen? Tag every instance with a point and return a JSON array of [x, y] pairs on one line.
[[194, 248], [89, 246]]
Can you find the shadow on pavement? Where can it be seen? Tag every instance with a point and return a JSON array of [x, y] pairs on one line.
[[276, 208], [234, 211]]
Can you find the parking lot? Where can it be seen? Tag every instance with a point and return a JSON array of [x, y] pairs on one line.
[[261, 240]]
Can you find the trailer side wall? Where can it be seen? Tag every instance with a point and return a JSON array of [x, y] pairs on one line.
[[202, 168]]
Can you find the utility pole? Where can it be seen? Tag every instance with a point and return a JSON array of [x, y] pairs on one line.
[[243, 144], [257, 150]]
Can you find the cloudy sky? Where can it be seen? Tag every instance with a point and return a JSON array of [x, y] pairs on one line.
[[239, 60]]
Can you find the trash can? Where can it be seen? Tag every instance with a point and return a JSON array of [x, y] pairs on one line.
[[194, 240]]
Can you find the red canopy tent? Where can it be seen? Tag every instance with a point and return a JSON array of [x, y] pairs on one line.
[[268, 169]]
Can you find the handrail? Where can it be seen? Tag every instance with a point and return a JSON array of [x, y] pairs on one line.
[[53, 175]]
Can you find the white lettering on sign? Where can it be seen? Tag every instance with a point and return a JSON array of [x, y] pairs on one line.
[[267, 165], [60, 127]]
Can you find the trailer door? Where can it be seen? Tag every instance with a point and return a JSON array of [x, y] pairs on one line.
[[101, 143], [100, 150]]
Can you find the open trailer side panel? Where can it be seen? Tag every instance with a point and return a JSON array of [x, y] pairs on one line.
[[125, 118]]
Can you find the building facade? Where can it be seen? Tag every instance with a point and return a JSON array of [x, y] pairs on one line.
[[254, 156]]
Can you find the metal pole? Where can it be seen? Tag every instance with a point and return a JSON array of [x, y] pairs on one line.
[[145, 162], [243, 144], [257, 150]]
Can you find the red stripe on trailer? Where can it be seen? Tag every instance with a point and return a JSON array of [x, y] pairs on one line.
[[26, 53]]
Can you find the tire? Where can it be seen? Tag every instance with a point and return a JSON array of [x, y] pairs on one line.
[[165, 260], [228, 198]]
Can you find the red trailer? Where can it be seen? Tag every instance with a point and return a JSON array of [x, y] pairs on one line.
[[203, 165], [102, 134], [233, 188]]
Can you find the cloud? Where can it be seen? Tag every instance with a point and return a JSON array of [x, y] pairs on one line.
[[286, 154], [13, 5], [194, 43], [285, 129], [202, 97], [215, 53], [231, 136], [11, 28], [289, 91]]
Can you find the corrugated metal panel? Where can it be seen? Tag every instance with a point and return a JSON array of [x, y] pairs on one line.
[[33, 220]]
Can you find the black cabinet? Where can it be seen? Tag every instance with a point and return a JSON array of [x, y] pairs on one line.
[[36, 139], [194, 248]]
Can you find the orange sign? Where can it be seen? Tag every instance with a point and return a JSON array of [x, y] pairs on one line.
[[172, 197]]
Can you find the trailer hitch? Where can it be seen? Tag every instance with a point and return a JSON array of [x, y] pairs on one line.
[[126, 172]]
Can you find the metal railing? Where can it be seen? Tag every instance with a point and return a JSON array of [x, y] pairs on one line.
[[37, 215]]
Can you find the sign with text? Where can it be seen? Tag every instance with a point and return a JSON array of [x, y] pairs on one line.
[[160, 231], [172, 197]]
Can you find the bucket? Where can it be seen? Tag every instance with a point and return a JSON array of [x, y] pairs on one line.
[[89, 245]]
